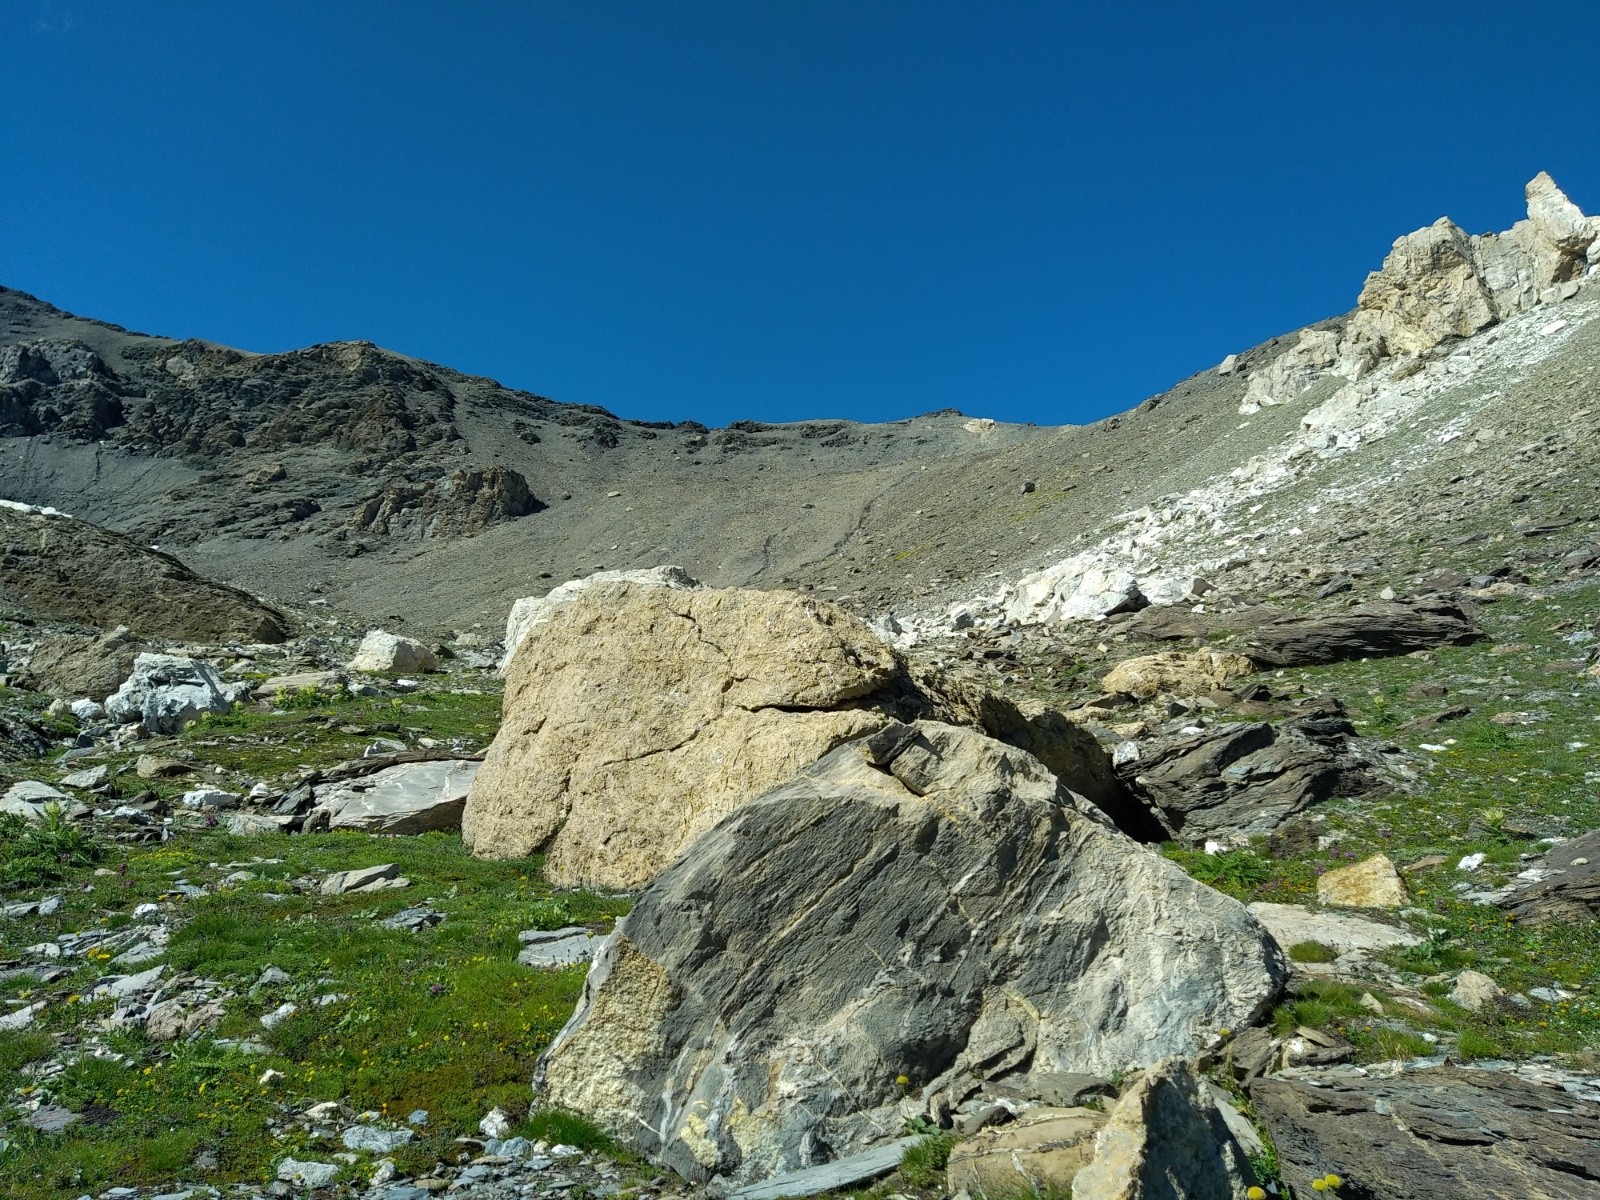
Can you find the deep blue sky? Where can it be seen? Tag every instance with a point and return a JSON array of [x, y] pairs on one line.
[[749, 208]]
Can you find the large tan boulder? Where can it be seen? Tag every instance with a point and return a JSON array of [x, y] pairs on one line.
[[640, 716], [1176, 673]]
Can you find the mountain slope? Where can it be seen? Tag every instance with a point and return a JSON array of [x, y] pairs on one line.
[[402, 491]]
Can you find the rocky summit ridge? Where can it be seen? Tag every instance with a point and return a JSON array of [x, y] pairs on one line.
[[409, 786]]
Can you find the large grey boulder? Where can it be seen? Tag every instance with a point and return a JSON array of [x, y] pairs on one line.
[[413, 797], [926, 902], [166, 692]]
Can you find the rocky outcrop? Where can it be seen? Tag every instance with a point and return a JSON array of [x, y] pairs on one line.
[[70, 666], [642, 715], [167, 691], [1431, 1133], [1429, 289], [467, 503], [57, 386], [926, 903], [530, 612], [1439, 284], [59, 567], [1242, 779], [1560, 888]]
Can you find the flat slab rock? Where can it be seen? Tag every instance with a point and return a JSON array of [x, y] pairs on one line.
[[419, 797], [926, 902], [1432, 1133], [1377, 630], [830, 1177], [1292, 924], [558, 947]]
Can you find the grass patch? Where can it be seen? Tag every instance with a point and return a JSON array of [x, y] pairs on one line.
[[560, 1127], [314, 728], [923, 1163], [46, 851], [1312, 952], [445, 1020]]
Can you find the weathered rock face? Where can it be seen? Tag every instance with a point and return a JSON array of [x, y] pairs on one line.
[[532, 611], [641, 715], [1426, 1134], [71, 666], [1152, 675], [166, 692], [383, 653], [1242, 779], [927, 902], [1429, 289], [73, 571], [467, 503], [1375, 630]]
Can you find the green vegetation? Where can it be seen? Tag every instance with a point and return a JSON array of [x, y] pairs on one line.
[[558, 1126], [1312, 952], [924, 1162], [32, 854], [443, 1020], [311, 728], [1485, 786]]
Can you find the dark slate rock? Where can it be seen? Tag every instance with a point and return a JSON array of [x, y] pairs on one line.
[[1244, 778], [1432, 1133], [1375, 630]]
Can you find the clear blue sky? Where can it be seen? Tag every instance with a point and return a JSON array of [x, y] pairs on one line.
[[749, 208]]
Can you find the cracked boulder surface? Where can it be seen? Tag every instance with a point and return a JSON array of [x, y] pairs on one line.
[[1433, 1132], [919, 913], [638, 717]]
